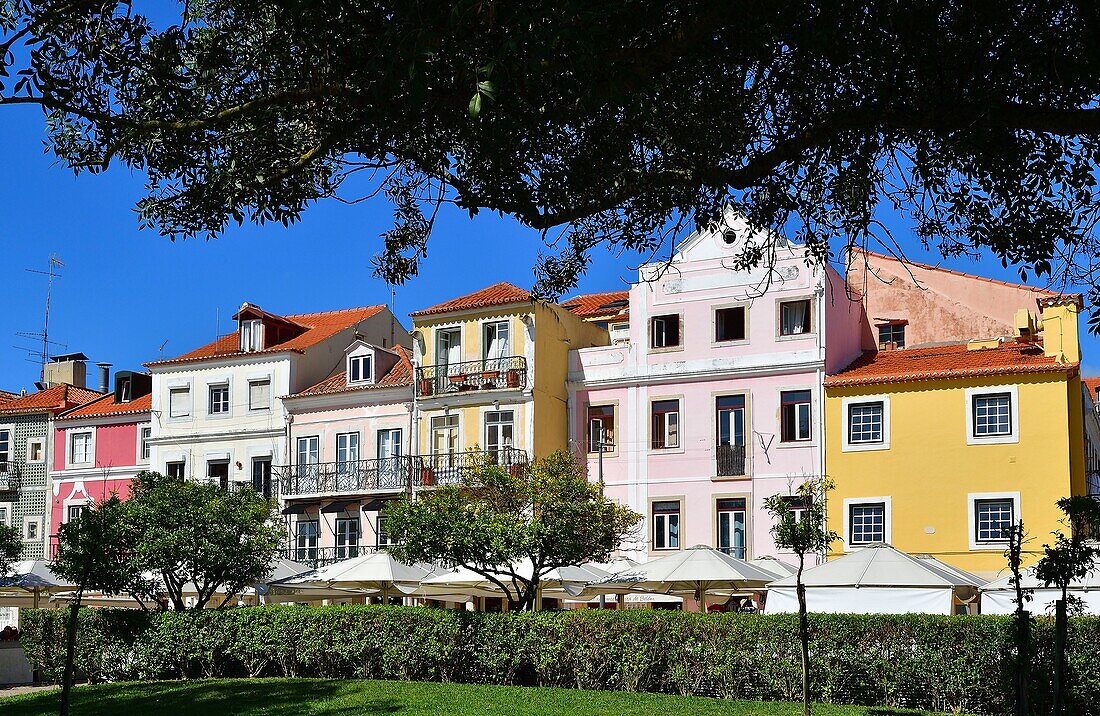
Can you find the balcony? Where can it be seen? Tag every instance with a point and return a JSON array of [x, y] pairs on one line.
[[9, 477], [317, 557], [390, 474], [472, 376], [731, 460], [453, 468]]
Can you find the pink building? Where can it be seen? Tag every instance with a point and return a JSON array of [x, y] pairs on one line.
[[709, 399], [100, 447]]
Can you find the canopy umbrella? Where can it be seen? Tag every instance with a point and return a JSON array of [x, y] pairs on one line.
[[771, 564], [560, 583], [696, 571], [30, 579], [998, 596], [378, 572]]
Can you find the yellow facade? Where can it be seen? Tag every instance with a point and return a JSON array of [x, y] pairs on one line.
[[930, 471], [539, 334]]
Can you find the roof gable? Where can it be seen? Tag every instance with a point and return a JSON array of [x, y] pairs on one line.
[[399, 376], [499, 294]]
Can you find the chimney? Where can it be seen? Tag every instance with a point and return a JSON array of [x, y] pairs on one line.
[[1060, 338], [104, 377]]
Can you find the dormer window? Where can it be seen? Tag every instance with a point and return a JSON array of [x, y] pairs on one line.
[[252, 335], [125, 391], [360, 369]]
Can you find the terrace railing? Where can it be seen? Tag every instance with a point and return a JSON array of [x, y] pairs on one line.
[[452, 468], [315, 557], [508, 373], [390, 474], [731, 460], [9, 477]]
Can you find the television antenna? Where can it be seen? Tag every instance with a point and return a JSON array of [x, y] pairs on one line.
[[43, 357]]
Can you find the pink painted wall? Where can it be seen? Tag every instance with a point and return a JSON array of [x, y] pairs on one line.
[[94, 488], [846, 326], [115, 445]]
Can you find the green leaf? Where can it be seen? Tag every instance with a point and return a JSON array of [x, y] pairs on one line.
[[475, 104]]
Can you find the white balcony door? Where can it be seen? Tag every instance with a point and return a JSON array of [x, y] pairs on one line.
[[448, 346], [389, 446], [496, 344], [444, 434], [347, 454], [308, 458], [498, 432]]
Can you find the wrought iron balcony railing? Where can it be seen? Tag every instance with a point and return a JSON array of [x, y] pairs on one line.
[[9, 477], [509, 373], [388, 474], [731, 460], [452, 468], [315, 557]]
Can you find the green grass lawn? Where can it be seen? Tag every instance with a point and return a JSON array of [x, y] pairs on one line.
[[311, 697]]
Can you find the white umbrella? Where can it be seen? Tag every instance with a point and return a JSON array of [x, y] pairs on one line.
[[378, 571], [30, 578], [999, 596], [561, 582], [696, 570], [771, 564]]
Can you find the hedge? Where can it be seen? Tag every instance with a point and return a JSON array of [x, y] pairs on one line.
[[954, 663]]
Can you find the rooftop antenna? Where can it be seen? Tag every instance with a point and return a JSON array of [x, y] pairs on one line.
[[54, 264], [393, 317], [160, 351]]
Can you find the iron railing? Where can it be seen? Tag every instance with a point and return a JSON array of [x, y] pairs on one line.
[[315, 557], [452, 468], [509, 373], [388, 474], [731, 460], [9, 477]]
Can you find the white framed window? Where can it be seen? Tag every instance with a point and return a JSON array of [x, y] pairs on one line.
[[795, 317], [499, 426], [252, 335], [75, 510], [36, 450], [80, 447], [307, 533], [5, 513], [730, 324], [867, 520], [145, 434], [360, 368], [665, 331], [176, 469], [259, 394], [217, 471], [795, 416], [992, 415], [665, 424], [219, 399], [730, 516], [347, 537], [32, 529], [666, 524], [496, 343], [383, 538], [989, 514], [866, 423], [179, 402], [601, 428], [5, 448]]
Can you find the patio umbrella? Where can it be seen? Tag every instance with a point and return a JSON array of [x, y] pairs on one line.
[[377, 572], [771, 564], [569, 580], [30, 578], [696, 571]]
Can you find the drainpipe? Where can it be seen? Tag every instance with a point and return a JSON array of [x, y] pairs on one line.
[[823, 348]]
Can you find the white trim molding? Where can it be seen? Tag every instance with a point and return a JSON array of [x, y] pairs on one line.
[[1014, 415], [887, 519], [971, 518], [846, 403]]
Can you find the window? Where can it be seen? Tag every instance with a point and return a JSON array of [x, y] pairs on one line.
[[80, 448], [992, 415], [309, 454], [665, 331], [498, 431], [601, 428], [219, 399], [32, 529], [218, 471], [795, 416], [794, 317], [798, 506], [75, 511], [666, 524], [36, 450], [259, 394], [666, 424], [384, 539], [261, 476], [252, 333], [891, 335], [125, 390], [179, 402], [495, 344], [360, 368], [729, 324], [731, 526], [865, 423], [444, 434], [305, 539], [730, 437], [867, 523], [347, 461], [5, 515], [175, 469], [991, 520], [347, 537], [5, 448], [146, 434]]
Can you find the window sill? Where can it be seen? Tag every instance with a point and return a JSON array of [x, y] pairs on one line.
[[667, 349], [796, 444], [795, 336], [730, 344], [864, 447], [997, 440], [666, 451], [732, 478]]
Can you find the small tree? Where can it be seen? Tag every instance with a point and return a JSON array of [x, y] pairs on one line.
[[11, 547], [803, 534], [1069, 559], [199, 535], [1014, 553], [92, 553], [512, 526]]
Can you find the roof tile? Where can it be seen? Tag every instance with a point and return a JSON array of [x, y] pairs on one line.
[[106, 406], [51, 400], [399, 376], [597, 305], [499, 294]]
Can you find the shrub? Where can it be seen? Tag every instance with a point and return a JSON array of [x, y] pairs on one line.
[[960, 663]]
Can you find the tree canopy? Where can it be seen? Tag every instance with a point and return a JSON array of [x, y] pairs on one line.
[[512, 526], [11, 546], [613, 123]]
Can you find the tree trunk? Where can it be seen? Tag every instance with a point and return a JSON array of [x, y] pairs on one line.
[[1023, 660], [68, 676], [1061, 626], [803, 637]]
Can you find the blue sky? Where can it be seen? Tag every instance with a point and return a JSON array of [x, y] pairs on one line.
[[125, 292]]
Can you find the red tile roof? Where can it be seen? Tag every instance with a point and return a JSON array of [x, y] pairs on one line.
[[51, 400], [499, 294], [596, 305], [399, 376], [946, 361], [319, 326], [1092, 384], [106, 406], [6, 397]]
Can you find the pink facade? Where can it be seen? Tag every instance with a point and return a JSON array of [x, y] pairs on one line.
[[742, 371]]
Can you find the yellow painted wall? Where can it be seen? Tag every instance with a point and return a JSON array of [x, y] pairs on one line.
[[929, 469], [472, 333], [471, 432]]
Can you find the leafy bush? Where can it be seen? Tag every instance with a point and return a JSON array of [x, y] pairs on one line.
[[940, 663]]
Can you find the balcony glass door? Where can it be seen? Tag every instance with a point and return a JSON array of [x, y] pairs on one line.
[[306, 541], [499, 426], [731, 527], [730, 448], [5, 449], [445, 456], [448, 352], [347, 462], [347, 538], [309, 473], [389, 462], [496, 345]]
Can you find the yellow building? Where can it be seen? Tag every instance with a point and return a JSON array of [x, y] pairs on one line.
[[491, 377], [935, 449]]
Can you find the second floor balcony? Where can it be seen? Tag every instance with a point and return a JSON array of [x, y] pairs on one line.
[[730, 460], [9, 477], [453, 468], [508, 373], [389, 474]]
